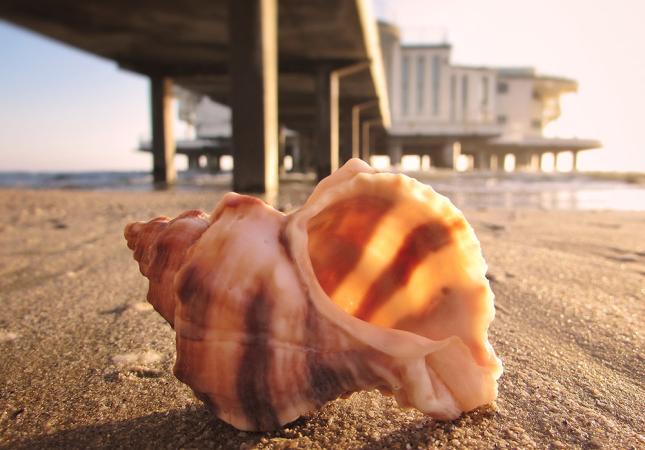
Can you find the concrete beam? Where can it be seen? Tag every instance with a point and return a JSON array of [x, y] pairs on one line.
[[327, 114], [254, 94], [163, 140], [285, 66]]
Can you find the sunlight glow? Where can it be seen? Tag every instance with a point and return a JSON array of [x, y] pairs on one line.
[[410, 162], [380, 162], [548, 162], [509, 162]]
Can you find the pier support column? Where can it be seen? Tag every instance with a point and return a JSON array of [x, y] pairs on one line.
[[523, 161], [282, 148], [326, 152], [307, 151], [447, 156], [494, 162], [482, 161], [395, 152], [556, 158], [193, 162], [346, 135], [365, 140], [574, 161], [212, 163], [163, 140], [254, 94], [296, 155], [535, 162], [356, 131]]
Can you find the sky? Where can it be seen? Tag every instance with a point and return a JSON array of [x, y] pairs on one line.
[[62, 109]]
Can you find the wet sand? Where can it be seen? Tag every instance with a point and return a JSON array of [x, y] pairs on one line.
[[86, 363]]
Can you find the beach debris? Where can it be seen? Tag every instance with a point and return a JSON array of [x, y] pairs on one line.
[[136, 359], [135, 364], [141, 307], [7, 336], [376, 281]]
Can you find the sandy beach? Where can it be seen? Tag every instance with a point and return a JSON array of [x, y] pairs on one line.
[[87, 363]]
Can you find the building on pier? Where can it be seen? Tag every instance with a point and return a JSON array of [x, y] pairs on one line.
[[482, 115]]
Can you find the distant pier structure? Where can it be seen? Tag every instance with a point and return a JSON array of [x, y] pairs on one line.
[[318, 81], [313, 67], [442, 111]]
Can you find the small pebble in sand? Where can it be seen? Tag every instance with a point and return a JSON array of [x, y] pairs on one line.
[[141, 307], [140, 358], [7, 336]]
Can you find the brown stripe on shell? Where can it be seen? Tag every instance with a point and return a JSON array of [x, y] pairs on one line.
[[421, 241], [326, 381], [253, 388], [193, 293], [339, 234]]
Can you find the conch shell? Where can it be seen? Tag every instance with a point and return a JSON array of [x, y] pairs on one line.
[[376, 282]]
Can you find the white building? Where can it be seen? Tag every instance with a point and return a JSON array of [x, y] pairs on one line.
[[443, 110]]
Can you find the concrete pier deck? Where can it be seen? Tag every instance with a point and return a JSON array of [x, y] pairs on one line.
[[274, 62]]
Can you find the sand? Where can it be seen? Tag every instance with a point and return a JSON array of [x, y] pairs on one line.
[[86, 363]]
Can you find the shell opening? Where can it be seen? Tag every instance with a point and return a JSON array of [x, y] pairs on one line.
[[370, 255]]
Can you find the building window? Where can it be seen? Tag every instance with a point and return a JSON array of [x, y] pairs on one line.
[[464, 96], [536, 124], [405, 87], [453, 97], [484, 92], [421, 74], [436, 83], [501, 120], [502, 87]]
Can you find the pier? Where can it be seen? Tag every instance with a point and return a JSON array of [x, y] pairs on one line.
[[310, 66], [320, 82]]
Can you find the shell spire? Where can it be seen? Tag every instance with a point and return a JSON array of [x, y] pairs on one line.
[[376, 282]]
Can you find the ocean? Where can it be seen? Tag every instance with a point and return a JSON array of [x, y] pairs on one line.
[[467, 190]]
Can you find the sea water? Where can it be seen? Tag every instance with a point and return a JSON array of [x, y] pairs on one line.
[[468, 190]]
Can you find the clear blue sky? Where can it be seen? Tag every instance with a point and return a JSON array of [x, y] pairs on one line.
[[62, 109]]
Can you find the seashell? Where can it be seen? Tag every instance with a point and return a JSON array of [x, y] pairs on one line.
[[375, 282]]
